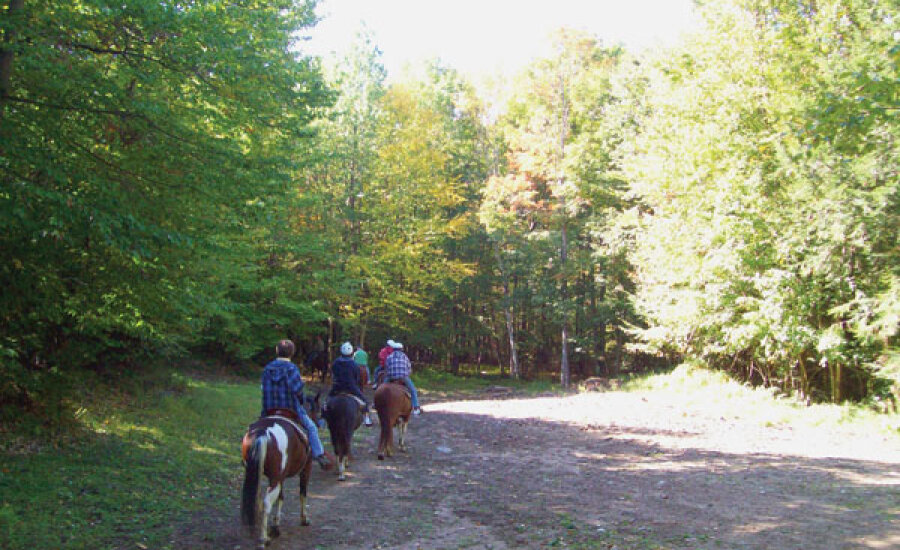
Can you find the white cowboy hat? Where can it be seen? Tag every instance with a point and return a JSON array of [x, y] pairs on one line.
[[395, 345], [391, 343]]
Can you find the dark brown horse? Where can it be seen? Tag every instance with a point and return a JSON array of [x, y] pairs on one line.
[[275, 447], [394, 407], [343, 415], [317, 362], [363, 376]]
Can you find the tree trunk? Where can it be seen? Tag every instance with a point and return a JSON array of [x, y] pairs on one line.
[[620, 350], [507, 312], [564, 374], [330, 343], [564, 371], [362, 335]]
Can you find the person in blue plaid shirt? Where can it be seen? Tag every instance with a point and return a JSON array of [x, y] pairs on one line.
[[282, 388], [397, 366]]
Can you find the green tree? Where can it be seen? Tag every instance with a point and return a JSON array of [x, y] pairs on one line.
[[557, 163], [140, 145], [762, 161]]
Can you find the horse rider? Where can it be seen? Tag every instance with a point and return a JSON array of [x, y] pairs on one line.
[[362, 359], [382, 357], [345, 378], [397, 366], [282, 394]]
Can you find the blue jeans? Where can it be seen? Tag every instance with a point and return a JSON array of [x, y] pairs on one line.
[[315, 444], [378, 370], [412, 390]]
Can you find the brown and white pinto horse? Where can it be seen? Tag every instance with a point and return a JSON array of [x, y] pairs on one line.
[[394, 406], [275, 447]]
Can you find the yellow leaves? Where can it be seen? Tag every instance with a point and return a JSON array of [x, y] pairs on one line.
[[507, 199]]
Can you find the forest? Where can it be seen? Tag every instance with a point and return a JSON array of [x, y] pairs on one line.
[[179, 181]]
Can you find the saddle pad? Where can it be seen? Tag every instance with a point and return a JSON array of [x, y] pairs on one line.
[[402, 385], [300, 431]]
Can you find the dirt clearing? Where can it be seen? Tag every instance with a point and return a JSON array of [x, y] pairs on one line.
[[594, 471]]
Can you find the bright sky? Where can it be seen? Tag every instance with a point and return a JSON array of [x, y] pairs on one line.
[[489, 36]]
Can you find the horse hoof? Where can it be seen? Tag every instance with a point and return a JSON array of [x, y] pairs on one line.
[[304, 521], [380, 457], [274, 532], [342, 478]]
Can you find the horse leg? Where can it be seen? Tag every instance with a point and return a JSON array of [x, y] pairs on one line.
[[342, 466], [386, 438], [401, 434], [272, 495], [304, 483], [274, 530]]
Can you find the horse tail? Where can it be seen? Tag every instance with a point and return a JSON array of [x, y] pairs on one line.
[[253, 473]]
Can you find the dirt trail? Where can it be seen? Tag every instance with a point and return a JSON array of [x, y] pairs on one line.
[[595, 471]]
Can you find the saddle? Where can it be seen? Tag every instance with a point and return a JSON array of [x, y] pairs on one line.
[[291, 418], [361, 403]]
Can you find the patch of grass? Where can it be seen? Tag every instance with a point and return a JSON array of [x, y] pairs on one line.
[[701, 387], [440, 381], [134, 471]]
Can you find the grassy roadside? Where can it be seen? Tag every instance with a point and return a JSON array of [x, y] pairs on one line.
[[438, 384], [698, 387], [138, 463], [695, 387], [131, 473]]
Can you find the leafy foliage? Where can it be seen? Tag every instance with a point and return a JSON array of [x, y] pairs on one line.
[[767, 172], [174, 179], [140, 144]]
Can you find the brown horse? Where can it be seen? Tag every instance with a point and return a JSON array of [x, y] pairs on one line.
[[317, 362], [394, 407], [275, 447], [344, 416], [363, 376]]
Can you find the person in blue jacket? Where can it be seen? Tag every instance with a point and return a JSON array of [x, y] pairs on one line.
[[345, 378], [282, 390]]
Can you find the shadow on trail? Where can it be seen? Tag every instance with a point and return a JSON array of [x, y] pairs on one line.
[[477, 481]]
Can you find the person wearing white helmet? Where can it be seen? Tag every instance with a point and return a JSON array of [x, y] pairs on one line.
[[345, 378]]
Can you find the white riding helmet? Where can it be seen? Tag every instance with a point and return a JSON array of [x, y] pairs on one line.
[[347, 348]]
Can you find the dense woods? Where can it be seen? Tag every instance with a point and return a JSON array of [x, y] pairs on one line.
[[177, 179]]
